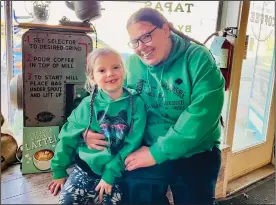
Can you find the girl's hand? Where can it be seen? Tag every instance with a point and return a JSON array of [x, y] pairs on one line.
[[55, 185], [103, 187]]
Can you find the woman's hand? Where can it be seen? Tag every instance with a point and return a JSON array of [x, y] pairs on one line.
[[140, 158], [103, 187], [55, 185], [94, 140]]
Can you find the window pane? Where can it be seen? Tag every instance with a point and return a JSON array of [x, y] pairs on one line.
[[189, 17]]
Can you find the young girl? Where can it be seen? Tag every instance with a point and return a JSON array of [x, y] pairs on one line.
[[116, 112]]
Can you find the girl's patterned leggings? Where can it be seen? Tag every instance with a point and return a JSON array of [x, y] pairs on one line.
[[80, 189]]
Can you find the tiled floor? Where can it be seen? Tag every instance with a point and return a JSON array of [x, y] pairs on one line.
[[27, 189]]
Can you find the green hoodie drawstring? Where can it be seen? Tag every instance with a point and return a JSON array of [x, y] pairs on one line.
[[163, 93], [158, 82], [148, 80]]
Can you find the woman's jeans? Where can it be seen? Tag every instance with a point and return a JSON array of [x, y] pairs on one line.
[[192, 181], [147, 185], [80, 189]]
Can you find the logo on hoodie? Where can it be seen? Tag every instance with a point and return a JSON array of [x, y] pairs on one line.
[[114, 128], [178, 81]]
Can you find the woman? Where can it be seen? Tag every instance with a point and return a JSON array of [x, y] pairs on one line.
[[184, 92]]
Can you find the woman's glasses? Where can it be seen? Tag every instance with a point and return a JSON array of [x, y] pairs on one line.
[[146, 38]]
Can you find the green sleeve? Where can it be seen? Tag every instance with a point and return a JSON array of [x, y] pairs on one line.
[[69, 138], [132, 142], [200, 117]]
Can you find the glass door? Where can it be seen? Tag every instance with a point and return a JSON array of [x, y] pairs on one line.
[[253, 126], [257, 78]]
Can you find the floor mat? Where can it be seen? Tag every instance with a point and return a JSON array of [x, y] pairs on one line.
[[262, 192]]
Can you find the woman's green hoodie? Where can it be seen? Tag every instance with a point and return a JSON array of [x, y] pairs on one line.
[[109, 117], [184, 98]]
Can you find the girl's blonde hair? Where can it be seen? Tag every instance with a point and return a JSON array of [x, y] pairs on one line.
[[91, 59]]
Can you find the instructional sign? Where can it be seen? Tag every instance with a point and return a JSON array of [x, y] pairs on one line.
[[52, 60]]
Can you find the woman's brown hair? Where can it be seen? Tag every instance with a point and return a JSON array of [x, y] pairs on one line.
[[157, 19]]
